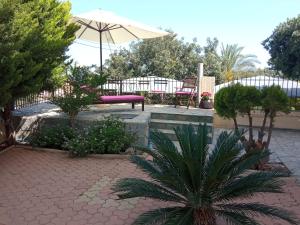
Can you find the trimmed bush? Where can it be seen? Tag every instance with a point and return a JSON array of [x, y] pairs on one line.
[[109, 137], [52, 137]]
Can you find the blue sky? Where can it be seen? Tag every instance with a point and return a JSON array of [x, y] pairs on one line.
[[246, 23]]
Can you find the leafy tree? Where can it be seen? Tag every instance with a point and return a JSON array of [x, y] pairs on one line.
[[233, 60], [119, 65], [274, 99], [284, 48], [57, 79], [202, 184], [211, 60], [166, 57], [241, 100], [34, 38], [227, 103], [248, 98]]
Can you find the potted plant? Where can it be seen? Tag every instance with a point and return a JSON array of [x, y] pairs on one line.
[[206, 102]]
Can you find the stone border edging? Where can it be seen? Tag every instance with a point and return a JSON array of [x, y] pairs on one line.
[[51, 150]]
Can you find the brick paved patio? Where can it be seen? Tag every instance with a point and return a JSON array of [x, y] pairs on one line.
[[50, 188]]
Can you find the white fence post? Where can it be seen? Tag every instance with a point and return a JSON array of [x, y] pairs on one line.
[[200, 75]]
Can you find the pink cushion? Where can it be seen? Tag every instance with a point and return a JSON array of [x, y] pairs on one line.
[[158, 91], [121, 99], [183, 93]]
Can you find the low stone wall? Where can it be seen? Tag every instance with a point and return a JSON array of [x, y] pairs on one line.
[[282, 121], [139, 125]]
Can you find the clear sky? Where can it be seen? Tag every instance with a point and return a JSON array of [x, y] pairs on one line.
[[245, 22]]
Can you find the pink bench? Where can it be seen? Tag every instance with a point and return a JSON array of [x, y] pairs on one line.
[[122, 99], [111, 99]]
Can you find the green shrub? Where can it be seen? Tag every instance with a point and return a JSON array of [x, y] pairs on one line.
[[52, 137], [237, 99], [109, 136], [79, 145], [74, 102], [227, 102]]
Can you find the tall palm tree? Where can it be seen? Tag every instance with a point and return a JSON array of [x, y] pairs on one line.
[[203, 184], [232, 60]]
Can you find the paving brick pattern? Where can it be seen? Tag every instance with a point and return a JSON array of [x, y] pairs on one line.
[[39, 188]]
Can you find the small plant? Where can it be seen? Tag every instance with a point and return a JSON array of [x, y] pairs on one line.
[[109, 136], [77, 98], [205, 96], [52, 137], [202, 184], [79, 146], [74, 102]]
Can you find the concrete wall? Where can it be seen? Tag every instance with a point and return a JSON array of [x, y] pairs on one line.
[[207, 84], [28, 124], [282, 121]]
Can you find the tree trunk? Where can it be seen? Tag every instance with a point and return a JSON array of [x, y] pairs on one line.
[[250, 129], [205, 217], [7, 118], [261, 133], [270, 130], [235, 124]]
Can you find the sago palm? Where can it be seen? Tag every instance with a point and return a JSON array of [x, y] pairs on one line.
[[202, 183]]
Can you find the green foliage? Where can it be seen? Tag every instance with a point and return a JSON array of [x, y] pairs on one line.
[[211, 60], [237, 99], [79, 145], [35, 34], [57, 79], [248, 98], [227, 101], [233, 60], [108, 136], [164, 57], [52, 137], [274, 100], [34, 38], [73, 102], [284, 48], [201, 183], [78, 99], [85, 75]]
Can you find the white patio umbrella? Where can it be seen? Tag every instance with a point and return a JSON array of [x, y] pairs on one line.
[[106, 27]]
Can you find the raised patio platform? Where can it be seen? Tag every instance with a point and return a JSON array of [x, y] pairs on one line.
[[163, 117]]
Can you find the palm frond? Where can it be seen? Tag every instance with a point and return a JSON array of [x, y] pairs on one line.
[[236, 218], [255, 209], [171, 215], [135, 187], [250, 184], [169, 179]]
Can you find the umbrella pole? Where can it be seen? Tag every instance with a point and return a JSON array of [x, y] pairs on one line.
[[100, 37]]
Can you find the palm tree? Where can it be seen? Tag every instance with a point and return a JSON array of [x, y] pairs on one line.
[[202, 184], [232, 60]]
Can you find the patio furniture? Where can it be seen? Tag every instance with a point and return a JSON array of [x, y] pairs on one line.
[[122, 99], [187, 90], [160, 88], [112, 99]]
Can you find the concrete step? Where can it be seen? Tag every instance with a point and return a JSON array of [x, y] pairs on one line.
[[183, 117], [172, 136], [171, 124]]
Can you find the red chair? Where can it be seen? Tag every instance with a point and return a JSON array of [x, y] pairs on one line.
[[187, 90]]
